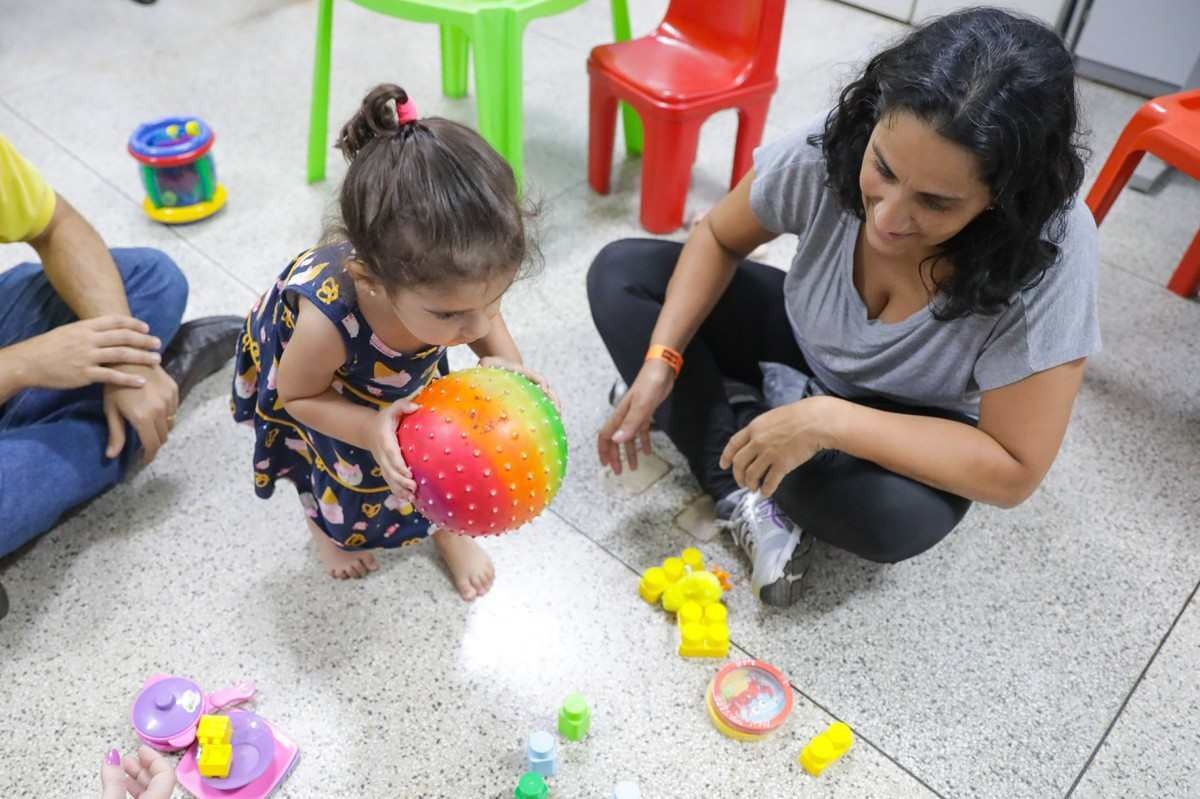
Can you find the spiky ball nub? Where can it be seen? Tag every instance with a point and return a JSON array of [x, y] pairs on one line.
[[487, 449]]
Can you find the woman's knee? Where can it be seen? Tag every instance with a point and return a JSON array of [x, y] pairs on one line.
[[609, 273], [626, 265], [896, 542], [865, 509]]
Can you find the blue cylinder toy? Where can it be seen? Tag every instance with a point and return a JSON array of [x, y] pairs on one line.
[[177, 169]]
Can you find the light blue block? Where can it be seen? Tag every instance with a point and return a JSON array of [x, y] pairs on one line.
[[541, 754]]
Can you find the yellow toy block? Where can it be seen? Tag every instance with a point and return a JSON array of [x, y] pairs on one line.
[[703, 630], [654, 582], [826, 748], [701, 587], [673, 568], [672, 598], [692, 558], [215, 730], [214, 760]]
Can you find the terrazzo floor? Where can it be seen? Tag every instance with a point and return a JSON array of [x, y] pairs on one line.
[[1045, 651]]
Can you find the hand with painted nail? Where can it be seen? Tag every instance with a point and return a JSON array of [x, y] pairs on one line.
[[146, 775]]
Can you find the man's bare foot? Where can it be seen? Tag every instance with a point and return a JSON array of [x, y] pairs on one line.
[[341, 563], [470, 567]]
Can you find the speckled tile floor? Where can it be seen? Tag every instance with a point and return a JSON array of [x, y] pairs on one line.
[[1047, 651]]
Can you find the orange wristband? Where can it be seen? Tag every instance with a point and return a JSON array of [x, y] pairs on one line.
[[672, 357]]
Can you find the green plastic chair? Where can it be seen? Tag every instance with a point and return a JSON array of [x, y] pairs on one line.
[[494, 28]]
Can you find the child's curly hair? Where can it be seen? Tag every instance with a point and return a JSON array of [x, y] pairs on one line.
[[1003, 87]]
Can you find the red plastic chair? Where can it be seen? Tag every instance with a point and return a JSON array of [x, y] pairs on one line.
[[703, 58], [1168, 127]]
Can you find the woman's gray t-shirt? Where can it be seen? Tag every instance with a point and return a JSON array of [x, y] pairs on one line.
[[919, 361]]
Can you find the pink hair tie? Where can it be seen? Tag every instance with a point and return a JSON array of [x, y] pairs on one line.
[[406, 112]]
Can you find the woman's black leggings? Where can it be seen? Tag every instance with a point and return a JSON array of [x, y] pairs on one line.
[[850, 503]]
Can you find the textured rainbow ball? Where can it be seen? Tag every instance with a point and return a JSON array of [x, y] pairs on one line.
[[487, 449]]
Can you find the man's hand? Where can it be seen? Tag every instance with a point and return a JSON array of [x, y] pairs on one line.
[[86, 352], [150, 409]]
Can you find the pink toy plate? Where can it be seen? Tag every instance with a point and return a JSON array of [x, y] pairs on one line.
[[253, 751], [249, 746]]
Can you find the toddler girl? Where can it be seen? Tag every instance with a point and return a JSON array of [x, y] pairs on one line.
[[431, 235]]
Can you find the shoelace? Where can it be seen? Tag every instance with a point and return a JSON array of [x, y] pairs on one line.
[[740, 525]]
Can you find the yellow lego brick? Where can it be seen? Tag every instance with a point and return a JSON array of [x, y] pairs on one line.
[[214, 729], [673, 568], [673, 598], [826, 748], [702, 587], [653, 584], [692, 558], [214, 760], [703, 630]]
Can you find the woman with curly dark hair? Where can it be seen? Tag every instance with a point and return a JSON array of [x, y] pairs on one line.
[[925, 347]]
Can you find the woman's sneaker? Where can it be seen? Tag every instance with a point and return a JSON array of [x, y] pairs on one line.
[[779, 554]]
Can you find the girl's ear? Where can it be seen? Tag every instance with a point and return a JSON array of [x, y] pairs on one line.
[[362, 277]]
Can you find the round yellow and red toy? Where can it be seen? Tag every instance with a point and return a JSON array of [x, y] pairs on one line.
[[487, 450], [177, 168]]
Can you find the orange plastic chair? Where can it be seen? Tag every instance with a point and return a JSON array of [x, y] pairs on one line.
[[703, 58], [1168, 127]]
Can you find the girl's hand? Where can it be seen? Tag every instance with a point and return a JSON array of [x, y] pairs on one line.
[[630, 420], [494, 362], [149, 775], [765, 451], [385, 447]]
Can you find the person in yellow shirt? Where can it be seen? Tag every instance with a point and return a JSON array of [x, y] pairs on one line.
[[93, 359]]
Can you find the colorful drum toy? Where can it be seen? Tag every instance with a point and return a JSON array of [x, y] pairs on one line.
[[177, 169], [748, 700]]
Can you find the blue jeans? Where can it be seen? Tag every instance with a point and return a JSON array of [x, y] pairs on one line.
[[52, 442]]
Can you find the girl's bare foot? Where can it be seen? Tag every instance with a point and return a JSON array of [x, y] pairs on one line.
[[470, 567], [341, 563]]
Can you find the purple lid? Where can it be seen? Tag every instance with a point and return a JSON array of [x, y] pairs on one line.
[[253, 751], [167, 708]]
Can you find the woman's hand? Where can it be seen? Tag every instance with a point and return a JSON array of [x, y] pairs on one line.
[[629, 423], [495, 362], [385, 447], [765, 451], [149, 775]]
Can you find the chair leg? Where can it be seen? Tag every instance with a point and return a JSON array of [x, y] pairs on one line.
[[1186, 280], [602, 123], [496, 40], [752, 119], [1122, 161], [318, 116], [454, 61], [1115, 173], [666, 171], [632, 125], [623, 32]]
